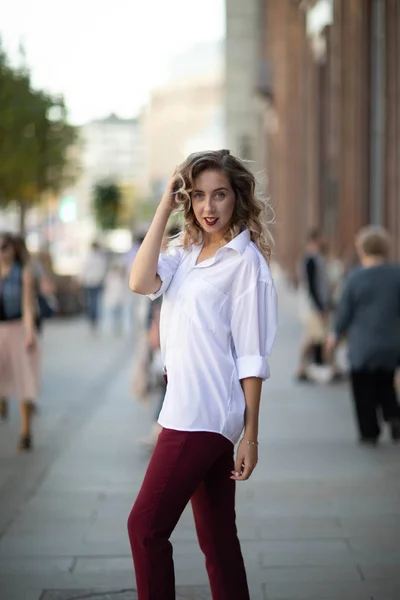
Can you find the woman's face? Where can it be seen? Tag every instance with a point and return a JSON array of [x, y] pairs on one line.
[[6, 250], [213, 202]]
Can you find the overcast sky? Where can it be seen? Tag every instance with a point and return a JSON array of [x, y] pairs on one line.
[[105, 55]]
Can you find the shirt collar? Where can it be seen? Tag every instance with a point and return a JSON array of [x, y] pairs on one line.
[[240, 242]]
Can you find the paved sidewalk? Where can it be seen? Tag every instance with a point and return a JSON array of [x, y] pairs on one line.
[[77, 369], [319, 520]]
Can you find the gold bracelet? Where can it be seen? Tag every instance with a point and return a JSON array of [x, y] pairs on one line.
[[250, 443]]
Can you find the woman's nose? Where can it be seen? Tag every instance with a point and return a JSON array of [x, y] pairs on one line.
[[209, 206]]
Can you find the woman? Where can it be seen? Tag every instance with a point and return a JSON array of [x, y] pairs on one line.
[[43, 286], [218, 324], [43, 290], [368, 315], [19, 366]]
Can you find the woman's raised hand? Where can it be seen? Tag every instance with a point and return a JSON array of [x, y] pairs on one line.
[[168, 200]]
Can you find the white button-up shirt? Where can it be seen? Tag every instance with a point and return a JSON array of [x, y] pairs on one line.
[[218, 323]]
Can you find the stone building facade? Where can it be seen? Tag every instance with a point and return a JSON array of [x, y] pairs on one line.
[[333, 93]]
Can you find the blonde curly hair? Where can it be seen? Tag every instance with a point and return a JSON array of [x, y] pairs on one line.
[[250, 210]]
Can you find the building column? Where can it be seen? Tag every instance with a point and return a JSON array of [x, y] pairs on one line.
[[354, 110], [392, 124], [377, 139], [241, 53]]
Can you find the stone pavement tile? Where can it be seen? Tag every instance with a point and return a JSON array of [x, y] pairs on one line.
[[26, 524], [377, 525], [193, 560], [46, 494], [377, 543], [103, 564], [193, 592], [185, 593], [32, 564], [376, 557], [117, 547], [182, 593], [320, 546], [305, 559], [62, 509], [116, 509], [193, 575], [124, 492], [6, 470], [323, 573], [186, 554], [39, 544], [383, 590], [348, 590], [308, 499], [184, 560], [70, 581], [247, 530], [99, 533], [344, 484], [81, 482], [377, 572], [88, 594], [20, 593], [185, 532], [298, 527], [115, 529]]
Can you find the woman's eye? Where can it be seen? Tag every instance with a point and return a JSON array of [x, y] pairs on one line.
[[220, 195], [198, 196]]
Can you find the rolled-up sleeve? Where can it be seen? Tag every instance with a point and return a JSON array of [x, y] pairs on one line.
[[254, 324], [168, 263]]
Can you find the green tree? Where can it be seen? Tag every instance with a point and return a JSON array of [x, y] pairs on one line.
[[107, 204], [17, 143], [35, 140]]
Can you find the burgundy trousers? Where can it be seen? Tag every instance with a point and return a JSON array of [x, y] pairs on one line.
[[187, 466]]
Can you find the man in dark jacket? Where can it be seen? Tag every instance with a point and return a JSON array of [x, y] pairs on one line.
[[315, 294]]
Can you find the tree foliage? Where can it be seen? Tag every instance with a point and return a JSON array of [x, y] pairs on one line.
[[35, 138], [107, 204]]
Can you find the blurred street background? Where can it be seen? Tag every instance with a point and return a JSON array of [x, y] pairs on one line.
[[98, 104]]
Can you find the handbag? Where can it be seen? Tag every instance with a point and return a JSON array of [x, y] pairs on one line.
[[47, 306]]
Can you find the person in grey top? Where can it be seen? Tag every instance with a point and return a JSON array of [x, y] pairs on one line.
[[368, 314]]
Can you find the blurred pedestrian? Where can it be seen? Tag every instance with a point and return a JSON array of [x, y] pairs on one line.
[[45, 302], [315, 295], [19, 361], [154, 376], [218, 323], [92, 278], [369, 316], [154, 361], [134, 312], [137, 239], [115, 295]]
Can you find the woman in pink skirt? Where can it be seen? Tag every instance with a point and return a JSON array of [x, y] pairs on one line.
[[19, 365]]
